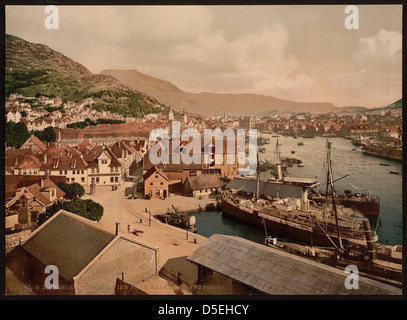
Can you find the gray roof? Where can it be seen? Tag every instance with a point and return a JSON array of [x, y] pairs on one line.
[[272, 271], [204, 181], [68, 242], [265, 188]]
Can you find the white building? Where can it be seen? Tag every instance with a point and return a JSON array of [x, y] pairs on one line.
[[13, 115]]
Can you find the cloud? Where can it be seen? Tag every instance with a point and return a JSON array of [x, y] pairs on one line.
[[375, 72], [255, 62], [385, 45], [181, 44], [348, 79]]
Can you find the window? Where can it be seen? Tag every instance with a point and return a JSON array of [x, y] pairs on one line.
[[82, 171], [111, 179], [73, 171], [93, 170], [161, 183], [111, 169], [66, 171], [82, 179], [67, 180], [156, 176], [104, 161], [151, 183], [78, 172], [73, 179], [97, 180], [60, 172], [116, 169], [116, 179]]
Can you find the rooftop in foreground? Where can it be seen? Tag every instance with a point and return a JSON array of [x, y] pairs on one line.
[[271, 271]]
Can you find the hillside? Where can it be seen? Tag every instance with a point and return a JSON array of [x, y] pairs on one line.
[[211, 103], [35, 69], [395, 105]]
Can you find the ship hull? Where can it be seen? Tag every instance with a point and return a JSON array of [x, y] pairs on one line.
[[388, 153], [366, 207], [312, 235]]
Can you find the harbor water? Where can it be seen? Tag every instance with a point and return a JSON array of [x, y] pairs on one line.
[[366, 174]]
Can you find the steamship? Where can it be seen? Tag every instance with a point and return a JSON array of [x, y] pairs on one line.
[[282, 208]]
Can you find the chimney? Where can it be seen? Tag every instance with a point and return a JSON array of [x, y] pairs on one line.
[[117, 228]]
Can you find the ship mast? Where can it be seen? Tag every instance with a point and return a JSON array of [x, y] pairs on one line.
[[258, 177], [331, 186], [278, 163]]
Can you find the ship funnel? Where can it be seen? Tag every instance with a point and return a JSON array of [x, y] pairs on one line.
[[371, 246], [279, 172]]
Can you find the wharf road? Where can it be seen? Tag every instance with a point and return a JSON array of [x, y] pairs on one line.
[[171, 241]]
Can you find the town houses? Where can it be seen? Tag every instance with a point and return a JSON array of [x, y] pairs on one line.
[[86, 163], [27, 198], [107, 153], [40, 112]]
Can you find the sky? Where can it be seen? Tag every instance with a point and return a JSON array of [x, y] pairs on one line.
[[299, 53]]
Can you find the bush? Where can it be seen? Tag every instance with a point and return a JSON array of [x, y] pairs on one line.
[[73, 190], [88, 209]]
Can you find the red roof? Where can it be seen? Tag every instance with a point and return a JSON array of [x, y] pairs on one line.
[[38, 143], [65, 163], [152, 171], [34, 191], [30, 162]]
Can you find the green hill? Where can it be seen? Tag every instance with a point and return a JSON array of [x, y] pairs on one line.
[[35, 69], [395, 105]]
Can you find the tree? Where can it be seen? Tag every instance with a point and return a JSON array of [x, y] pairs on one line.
[[16, 134], [88, 209], [73, 190], [48, 134]]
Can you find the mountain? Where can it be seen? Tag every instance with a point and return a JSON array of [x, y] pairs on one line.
[[351, 109], [395, 105], [35, 69], [212, 103]]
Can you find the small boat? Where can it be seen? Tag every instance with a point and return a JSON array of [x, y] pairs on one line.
[[292, 151], [300, 143], [394, 172], [384, 164], [300, 165]]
